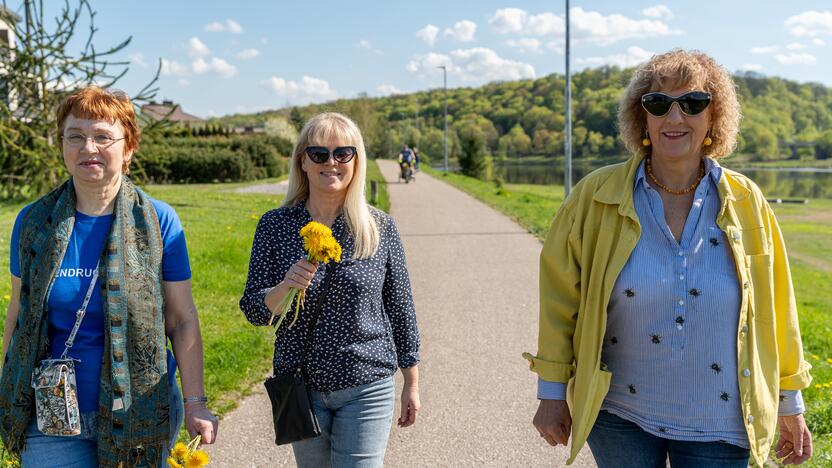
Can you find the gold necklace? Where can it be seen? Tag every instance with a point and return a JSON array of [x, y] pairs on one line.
[[649, 168]]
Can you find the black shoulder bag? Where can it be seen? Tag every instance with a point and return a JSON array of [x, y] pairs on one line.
[[294, 419]]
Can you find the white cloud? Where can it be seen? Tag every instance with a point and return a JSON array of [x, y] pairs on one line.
[[658, 11], [818, 42], [388, 89], [756, 67], [525, 44], [309, 89], [633, 56], [765, 49], [138, 59], [248, 54], [508, 20], [217, 66], [795, 46], [184, 83], [228, 25], [811, 23], [476, 65], [587, 26], [801, 58], [428, 34], [173, 68], [462, 31], [367, 45], [197, 48]]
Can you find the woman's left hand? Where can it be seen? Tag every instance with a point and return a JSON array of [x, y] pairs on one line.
[[198, 420], [410, 405], [795, 441]]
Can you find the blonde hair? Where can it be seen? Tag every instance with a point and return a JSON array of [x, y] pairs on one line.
[[319, 131], [675, 69]]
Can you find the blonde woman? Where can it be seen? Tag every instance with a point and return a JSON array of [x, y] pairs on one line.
[[366, 324], [665, 293]]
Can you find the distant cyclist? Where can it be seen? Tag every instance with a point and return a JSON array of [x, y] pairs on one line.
[[416, 158], [406, 160]]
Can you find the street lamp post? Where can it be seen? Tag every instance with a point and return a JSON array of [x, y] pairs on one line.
[[567, 138], [445, 85]]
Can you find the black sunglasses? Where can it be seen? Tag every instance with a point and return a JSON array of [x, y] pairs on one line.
[[320, 154], [692, 103]]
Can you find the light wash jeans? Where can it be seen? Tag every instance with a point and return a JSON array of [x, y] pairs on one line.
[[355, 424], [81, 451]]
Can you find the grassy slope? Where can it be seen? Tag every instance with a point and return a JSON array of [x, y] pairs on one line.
[[808, 233]]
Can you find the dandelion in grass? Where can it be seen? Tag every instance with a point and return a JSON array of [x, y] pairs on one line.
[[187, 456], [321, 247]]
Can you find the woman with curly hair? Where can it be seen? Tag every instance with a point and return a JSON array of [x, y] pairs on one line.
[[666, 301]]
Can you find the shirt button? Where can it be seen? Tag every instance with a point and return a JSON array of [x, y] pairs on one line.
[[750, 419], [681, 302], [744, 328], [679, 327], [746, 373], [681, 277], [681, 253]]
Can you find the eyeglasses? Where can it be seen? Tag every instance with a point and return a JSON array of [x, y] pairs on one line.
[[692, 103], [320, 154], [78, 140]]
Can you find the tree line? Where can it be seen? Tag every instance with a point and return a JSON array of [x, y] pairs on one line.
[[524, 118]]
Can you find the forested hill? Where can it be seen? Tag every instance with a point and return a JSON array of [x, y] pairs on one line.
[[526, 117]]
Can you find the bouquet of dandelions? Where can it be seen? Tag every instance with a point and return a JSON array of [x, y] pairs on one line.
[[187, 456], [320, 246]]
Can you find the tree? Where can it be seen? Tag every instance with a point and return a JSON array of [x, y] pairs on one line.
[[473, 161], [296, 118], [37, 70]]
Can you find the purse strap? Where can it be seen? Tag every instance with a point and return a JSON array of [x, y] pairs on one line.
[[79, 315], [317, 310]]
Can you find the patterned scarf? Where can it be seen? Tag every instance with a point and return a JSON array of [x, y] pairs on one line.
[[133, 399]]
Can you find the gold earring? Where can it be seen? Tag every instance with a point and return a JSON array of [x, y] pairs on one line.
[[645, 141], [707, 141]]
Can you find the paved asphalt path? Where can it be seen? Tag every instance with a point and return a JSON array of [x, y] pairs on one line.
[[474, 278]]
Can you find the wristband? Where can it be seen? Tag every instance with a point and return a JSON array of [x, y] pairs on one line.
[[195, 399]]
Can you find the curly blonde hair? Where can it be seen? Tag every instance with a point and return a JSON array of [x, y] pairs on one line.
[[675, 69]]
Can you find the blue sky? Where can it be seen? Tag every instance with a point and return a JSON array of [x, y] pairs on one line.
[[245, 56]]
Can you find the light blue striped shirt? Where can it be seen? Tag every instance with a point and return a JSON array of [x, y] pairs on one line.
[[672, 323]]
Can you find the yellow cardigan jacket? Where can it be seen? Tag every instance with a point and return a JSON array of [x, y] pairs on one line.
[[592, 236]]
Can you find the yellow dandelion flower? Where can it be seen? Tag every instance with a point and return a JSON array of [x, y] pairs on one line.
[[818, 386], [180, 450], [197, 459], [827, 385], [829, 360], [815, 357], [172, 463], [315, 229], [7, 297]]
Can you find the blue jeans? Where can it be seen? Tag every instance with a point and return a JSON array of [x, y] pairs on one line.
[[616, 442], [81, 451], [355, 424]]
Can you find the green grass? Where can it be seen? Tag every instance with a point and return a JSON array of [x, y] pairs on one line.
[[808, 233], [382, 200]]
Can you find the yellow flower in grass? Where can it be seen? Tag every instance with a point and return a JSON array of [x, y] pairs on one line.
[[818, 386], [829, 360], [172, 463]]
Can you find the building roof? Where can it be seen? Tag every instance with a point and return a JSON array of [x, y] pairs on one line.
[[158, 111], [5, 12]]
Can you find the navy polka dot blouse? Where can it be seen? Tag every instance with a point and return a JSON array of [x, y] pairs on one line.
[[366, 327]]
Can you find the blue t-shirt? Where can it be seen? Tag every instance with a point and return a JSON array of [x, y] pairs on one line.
[[71, 282]]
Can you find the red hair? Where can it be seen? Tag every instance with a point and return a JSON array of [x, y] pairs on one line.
[[97, 103]]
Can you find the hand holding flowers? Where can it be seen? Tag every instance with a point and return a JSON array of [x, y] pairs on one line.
[[187, 456], [320, 246]]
